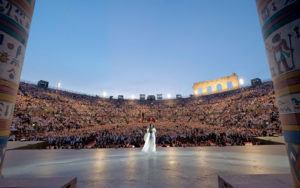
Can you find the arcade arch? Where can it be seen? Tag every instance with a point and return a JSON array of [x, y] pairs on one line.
[[200, 91], [209, 89], [219, 87], [229, 85]]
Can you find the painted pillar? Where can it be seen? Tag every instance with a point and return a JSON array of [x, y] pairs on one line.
[[15, 20], [280, 23]]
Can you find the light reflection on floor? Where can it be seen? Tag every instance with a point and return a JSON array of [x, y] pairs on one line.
[[169, 167]]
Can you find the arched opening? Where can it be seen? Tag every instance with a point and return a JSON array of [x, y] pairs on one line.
[[229, 85], [200, 91], [219, 87], [209, 89]]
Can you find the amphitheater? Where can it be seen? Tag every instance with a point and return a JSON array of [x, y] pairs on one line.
[[64, 120], [214, 138], [69, 120]]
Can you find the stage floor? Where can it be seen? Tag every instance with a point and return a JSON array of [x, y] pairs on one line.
[[169, 167]]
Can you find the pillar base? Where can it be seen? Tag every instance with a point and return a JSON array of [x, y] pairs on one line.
[[61, 182], [255, 181]]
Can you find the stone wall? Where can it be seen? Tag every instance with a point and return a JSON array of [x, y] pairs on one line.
[[223, 82]]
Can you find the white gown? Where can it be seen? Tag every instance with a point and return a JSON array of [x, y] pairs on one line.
[[150, 145]]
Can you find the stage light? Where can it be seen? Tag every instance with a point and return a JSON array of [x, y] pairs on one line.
[[169, 96], [241, 81], [196, 92], [58, 85], [132, 97], [104, 94]]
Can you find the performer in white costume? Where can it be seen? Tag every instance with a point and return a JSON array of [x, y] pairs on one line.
[[149, 138]]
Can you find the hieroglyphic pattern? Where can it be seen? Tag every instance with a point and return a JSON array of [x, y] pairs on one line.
[[280, 22], [289, 103], [11, 60], [6, 110], [15, 20]]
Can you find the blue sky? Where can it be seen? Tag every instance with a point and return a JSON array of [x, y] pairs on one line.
[[143, 46]]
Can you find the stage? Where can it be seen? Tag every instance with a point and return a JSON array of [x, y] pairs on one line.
[[169, 167]]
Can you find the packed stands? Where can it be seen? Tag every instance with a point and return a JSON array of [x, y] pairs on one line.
[[68, 120]]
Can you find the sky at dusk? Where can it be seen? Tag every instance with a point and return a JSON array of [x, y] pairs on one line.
[[143, 46]]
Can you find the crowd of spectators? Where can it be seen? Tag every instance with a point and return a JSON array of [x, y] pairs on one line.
[[68, 120]]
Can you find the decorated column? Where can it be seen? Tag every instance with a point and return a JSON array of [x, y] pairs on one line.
[[15, 20], [280, 23]]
